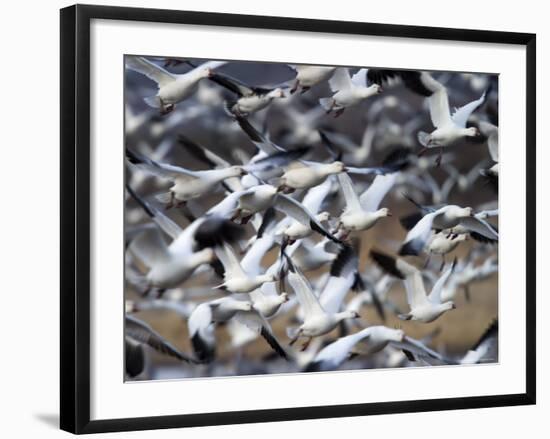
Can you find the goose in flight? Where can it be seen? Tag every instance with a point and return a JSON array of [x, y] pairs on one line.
[[423, 307], [137, 333], [308, 76], [317, 321], [171, 264], [246, 203], [172, 88], [204, 317], [490, 131], [442, 243], [250, 99], [449, 128], [375, 339], [442, 218], [293, 230], [363, 212], [186, 184], [236, 280], [347, 90]]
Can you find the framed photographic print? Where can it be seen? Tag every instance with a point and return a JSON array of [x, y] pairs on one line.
[[266, 214]]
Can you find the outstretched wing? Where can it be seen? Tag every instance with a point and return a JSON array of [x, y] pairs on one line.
[[461, 115], [370, 199], [142, 332], [149, 69], [352, 201], [340, 80]]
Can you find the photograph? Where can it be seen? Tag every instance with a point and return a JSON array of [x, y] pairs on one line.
[[294, 218]]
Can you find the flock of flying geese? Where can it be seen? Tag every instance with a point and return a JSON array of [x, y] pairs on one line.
[[259, 217]]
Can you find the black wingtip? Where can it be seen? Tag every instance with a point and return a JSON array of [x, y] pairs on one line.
[[203, 351], [387, 263], [133, 157], [409, 221], [215, 231], [409, 355], [342, 259], [273, 343], [148, 210], [409, 249], [314, 226]]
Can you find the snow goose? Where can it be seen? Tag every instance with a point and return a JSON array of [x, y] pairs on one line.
[[376, 338], [266, 304], [442, 243], [250, 99], [246, 203], [236, 280], [172, 88], [490, 131], [342, 277], [171, 264], [362, 213], [348, 90], [186, 184], [293, 230], [424, 308], [317, 321], [137, 334], [202, 321], [446, 217], [449, 128], [308, 76]]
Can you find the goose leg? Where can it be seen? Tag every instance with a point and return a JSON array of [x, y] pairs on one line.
[[427, 261], [306, 344], [170, 204], [294, 87], [442, 262], [439, 157], [339, 112]]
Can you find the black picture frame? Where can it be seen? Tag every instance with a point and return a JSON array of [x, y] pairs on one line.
[[75, 217]]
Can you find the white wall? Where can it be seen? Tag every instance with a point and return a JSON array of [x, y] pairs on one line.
[[30, 205]]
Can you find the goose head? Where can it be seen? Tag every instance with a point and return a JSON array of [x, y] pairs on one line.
[[336, 168], [472, 132], [384, 212], [374, 89], [276, 93], [323, 216]]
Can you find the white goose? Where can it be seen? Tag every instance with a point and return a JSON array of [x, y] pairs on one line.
[[424, 308], [348, 91], [309, 175], [446, 217], [244, 204], [317, 321], [449, 128], [293, 230], [308, 76], [172, 88], [376, 338], [186, 184], [491, 132], [171, 264], [362, 213], [442, 243], [202, 321], [236, 280]]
